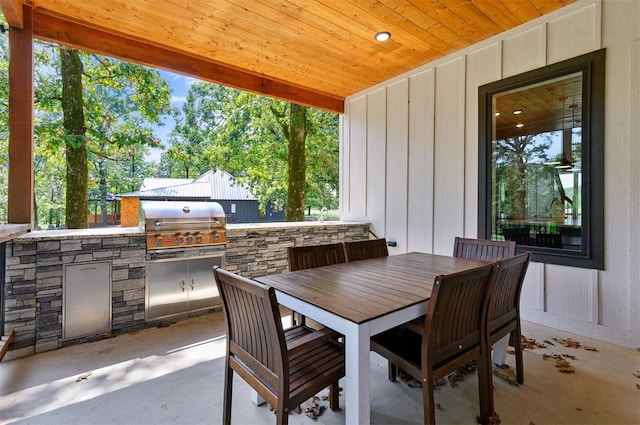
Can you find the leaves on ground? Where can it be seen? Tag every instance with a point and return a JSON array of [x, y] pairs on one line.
[[315, 409], [568, 342], [636, 373], [505, 373], [531, 343], [84, 376]]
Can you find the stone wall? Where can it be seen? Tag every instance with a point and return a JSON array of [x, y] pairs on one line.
[[34, 279], [258, 250], [35, 270]]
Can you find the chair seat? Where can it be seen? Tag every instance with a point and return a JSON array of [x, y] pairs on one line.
[[322, 363]]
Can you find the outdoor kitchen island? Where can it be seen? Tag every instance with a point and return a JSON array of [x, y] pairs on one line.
[[112, 264]]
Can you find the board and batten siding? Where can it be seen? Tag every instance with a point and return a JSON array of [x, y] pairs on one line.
[[409, 160]]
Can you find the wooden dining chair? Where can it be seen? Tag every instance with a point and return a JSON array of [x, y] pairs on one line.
[[368, 248], [474, 249], [503, 316], [453, 334], [483, 249], [311, 256], [284, 367]]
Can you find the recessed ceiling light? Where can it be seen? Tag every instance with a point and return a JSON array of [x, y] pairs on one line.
[[517, 112], [383, 36], [519, 125]]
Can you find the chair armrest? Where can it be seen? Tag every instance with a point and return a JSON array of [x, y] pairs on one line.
[[313, 339]]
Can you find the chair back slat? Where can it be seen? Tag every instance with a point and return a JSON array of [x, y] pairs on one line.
[[456, 315], [483, 249], [254, 326], [505, 299], [311, 256], [362, 250]]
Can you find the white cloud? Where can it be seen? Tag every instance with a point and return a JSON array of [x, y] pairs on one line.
[[178, 99]]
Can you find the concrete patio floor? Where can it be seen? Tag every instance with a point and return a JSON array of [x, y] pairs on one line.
[[174, 375]]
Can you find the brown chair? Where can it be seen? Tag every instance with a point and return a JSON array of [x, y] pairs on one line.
[[483, 249], [285, 367], [369, 248], [453, 334], [474, 249], [311, 256], [503, 316]]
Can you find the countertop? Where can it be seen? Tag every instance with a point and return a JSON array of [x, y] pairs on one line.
[[11, 231], [80, 233]]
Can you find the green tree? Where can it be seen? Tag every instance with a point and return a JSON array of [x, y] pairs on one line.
[[513, 157], [108, 109], [249, 136]]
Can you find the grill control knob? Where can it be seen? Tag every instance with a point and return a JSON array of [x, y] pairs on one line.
[[158, 241], [179, 239], [189, 239], [198, 238]]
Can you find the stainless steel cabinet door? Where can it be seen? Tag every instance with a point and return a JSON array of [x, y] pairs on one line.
[[86, 299], [167, 288], [202, 285]]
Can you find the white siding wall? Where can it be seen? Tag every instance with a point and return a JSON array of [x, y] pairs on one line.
[[409, 160]]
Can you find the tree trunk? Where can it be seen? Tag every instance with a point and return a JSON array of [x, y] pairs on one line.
[[297, 163], [76, 150]]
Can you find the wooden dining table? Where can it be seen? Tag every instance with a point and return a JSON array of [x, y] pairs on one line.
[[360, 299]]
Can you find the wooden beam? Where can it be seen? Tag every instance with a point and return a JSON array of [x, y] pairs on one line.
[[20, 196], [12, 10], [60, 30]]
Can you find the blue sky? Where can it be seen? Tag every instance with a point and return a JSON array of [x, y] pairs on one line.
[[179, 88]]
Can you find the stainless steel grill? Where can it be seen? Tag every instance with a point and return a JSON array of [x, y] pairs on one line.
[[184, 241], [177, 224]]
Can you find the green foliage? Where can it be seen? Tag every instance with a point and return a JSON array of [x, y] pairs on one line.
[[243, 134], [238, 132], [122, 104], [518, 173]]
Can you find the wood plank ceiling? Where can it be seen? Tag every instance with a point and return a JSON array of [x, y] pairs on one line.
[[314, 52]]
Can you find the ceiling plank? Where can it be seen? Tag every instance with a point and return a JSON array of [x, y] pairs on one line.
[[12, 10], [57, 29]]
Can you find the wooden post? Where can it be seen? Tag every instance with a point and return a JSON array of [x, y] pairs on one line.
[[20, 197]]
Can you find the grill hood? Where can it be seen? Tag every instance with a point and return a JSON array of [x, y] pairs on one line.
[[181, 210]]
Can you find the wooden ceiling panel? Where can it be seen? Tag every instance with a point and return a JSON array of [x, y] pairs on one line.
[[314, 52]]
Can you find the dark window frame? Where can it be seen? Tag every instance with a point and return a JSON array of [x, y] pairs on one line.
[[592, 66]]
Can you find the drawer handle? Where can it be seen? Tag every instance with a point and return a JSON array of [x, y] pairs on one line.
[[193, 284], [182, 285]]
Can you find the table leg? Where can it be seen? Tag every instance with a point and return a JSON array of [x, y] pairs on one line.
[[499, 355], [358, 384]]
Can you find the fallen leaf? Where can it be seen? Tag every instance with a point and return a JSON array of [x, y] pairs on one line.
[[507, 375], [548, 342], [638, 386], [566, 369], [636, 373], [568, 342], [578, 409], [589, 348], [84, 376], [569, 356]]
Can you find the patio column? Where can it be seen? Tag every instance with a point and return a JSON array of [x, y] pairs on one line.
[[21, 77]]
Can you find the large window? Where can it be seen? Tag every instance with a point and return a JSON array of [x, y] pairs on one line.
[[541, 161]]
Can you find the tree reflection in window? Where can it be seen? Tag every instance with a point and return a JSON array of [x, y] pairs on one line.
[[541, 161], [536, 151]]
